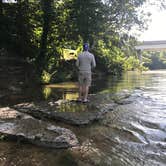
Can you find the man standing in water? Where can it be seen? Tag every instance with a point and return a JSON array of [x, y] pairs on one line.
[[85, 62]]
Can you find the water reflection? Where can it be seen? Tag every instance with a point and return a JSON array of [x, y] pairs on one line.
[[46, 92], [70, 96], [111, 84], [69, 90], [72, 107], [65, 91]]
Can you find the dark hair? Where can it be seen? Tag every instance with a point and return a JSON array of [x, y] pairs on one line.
[[85, 46]]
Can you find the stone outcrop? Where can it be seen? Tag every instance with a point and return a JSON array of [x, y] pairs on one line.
[[73, 112], [69, 112], [22, 127]]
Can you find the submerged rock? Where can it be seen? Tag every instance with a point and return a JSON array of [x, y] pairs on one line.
[[19, 126]]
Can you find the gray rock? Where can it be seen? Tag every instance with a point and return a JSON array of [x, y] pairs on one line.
[[69, 112], [73, 112], [19, 126]]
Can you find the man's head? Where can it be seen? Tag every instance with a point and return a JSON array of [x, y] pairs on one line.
[[85, 47]]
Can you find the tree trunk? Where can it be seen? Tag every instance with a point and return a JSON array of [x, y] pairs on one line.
[[41, 59]]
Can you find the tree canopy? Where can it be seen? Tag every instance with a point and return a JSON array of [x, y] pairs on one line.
[[39, 30]]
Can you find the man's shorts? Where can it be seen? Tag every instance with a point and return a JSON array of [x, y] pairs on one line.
[[85, 78]]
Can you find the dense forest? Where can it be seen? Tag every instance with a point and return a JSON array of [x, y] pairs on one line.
[[39, 31]]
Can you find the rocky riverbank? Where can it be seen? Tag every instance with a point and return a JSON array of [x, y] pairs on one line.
[[30, 121]]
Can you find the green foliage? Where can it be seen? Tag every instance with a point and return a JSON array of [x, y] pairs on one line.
[[131, 63], [39, 31], [45, 78], [66, 71], [110, 57], [16, 29], [155, 60]]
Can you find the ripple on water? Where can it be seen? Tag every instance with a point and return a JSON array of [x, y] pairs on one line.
[[152, 135]]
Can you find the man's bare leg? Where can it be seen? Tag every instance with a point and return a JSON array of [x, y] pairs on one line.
[[85, 92]]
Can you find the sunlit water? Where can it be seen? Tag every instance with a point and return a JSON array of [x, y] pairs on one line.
[[132, 135]]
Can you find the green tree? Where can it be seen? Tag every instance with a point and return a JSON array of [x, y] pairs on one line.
[[39, 30]]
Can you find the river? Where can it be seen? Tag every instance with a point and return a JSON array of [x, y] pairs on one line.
[[134, 134]]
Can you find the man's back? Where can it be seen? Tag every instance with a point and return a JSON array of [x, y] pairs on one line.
[[85, 62]]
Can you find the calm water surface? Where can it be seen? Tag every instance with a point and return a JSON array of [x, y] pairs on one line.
[[134, 134]]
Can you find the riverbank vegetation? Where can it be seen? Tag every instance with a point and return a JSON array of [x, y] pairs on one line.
[[41, 31], [155, 60]]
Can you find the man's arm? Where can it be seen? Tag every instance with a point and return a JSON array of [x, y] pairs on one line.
[[93, 62]]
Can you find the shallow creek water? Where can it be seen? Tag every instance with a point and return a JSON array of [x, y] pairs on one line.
[[134, 134]]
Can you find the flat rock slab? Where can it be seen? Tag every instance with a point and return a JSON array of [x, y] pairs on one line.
[[69, 112], [19, 126], [72, 112]]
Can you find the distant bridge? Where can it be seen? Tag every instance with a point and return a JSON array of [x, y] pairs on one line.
[[152, 46]]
